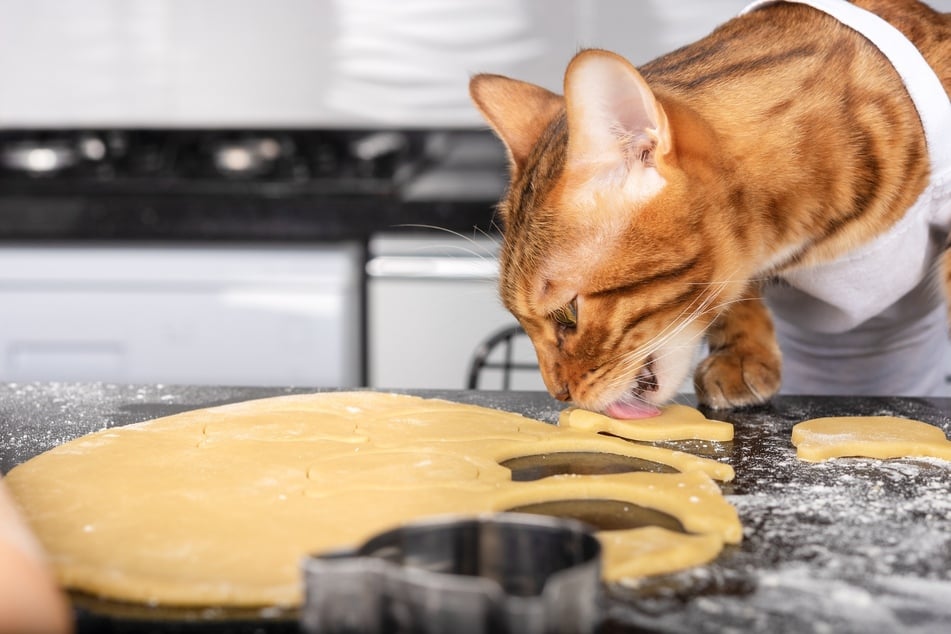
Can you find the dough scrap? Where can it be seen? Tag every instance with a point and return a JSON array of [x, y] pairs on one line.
[[676, 422], [869, 437], [639, 552], [217, 507]]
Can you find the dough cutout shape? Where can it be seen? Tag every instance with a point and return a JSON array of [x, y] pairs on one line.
[[676, 422], [217, 507], [868, 437], [652, 550]]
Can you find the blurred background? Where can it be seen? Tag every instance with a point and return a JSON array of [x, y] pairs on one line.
[[294, 192], [308, 63]]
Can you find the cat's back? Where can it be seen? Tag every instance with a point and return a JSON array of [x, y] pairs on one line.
[[796, 40], [789, 85]]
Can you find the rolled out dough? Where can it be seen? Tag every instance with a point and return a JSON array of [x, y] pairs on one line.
[[868, 436], [217, 507]]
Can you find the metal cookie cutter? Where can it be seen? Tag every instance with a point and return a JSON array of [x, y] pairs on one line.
[[504, 573]]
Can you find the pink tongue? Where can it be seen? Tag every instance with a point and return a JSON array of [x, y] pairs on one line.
[[627, 410]]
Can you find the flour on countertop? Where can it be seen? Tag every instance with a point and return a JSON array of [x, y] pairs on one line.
[[851, 545]]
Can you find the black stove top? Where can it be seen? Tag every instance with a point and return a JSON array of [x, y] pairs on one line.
[[247, 185], [215, 162]]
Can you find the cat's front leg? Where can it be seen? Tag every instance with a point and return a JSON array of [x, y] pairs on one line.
[[744, 365]]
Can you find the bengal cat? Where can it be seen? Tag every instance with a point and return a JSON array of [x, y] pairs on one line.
[[651, 207]]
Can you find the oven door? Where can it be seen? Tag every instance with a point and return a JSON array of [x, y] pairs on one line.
[[432, 301], [245, 315]]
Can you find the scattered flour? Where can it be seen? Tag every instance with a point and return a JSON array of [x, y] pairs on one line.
[[850, 545]]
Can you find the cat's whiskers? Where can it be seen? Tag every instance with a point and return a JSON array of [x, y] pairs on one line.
[[635, 361], [478, 250], [698, 307], [691, 342], [706, 308], [698, 334], [493, 237]]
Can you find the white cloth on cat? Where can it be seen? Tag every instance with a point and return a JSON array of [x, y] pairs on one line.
[[876, 305], [892, 354]]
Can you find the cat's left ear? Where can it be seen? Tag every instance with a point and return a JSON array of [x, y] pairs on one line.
[[613, 116], [518, 111]]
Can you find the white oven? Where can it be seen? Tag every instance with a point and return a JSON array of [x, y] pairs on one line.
[[249, 315], [431, 301]]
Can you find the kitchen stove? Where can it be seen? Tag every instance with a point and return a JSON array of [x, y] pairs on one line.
[[250, 185], [196, 162], [103, 202], [234, 239]]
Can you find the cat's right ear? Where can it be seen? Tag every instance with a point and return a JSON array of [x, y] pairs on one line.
[[614, 118], [518, 112]]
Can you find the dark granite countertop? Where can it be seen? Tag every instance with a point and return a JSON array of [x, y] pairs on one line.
[[852, 545]]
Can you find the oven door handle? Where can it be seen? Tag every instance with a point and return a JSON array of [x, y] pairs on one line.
[[432, 267]]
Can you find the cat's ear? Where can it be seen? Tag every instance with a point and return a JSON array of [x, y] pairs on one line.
[[614, 118], [518, 111]]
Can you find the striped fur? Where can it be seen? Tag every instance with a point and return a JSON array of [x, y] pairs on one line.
[[782, 139]]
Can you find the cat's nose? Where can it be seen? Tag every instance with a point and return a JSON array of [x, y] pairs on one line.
[[564, 394]]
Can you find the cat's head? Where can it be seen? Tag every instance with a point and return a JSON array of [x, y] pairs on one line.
[[607, 260]]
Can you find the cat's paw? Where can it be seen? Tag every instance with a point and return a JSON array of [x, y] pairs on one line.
[[725, 380]]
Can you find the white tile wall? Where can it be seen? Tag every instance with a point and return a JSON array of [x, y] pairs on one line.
[[306, 62]]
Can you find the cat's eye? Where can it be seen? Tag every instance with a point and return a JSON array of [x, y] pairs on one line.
[[566, 315]]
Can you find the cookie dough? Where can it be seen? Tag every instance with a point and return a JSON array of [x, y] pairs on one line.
[[217, 507], [676, 422], [638, 552], [868, 436]]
